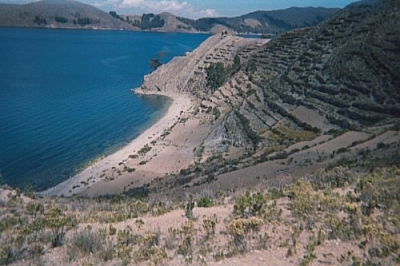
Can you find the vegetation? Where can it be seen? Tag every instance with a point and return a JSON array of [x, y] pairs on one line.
[[270, 21], [216, 75], [303, 218], [144, 150], [149, 21], [84, 21], [336, 215], [38, 20], [115, 15], [156, 62], [61, 19]]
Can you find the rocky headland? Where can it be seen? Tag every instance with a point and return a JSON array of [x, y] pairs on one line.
[[311, 98]]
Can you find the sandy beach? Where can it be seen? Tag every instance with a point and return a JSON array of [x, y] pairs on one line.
[[118, 165]]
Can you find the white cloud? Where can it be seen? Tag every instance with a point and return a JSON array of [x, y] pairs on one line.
[[208, 13], [132, 3], [176, 7]]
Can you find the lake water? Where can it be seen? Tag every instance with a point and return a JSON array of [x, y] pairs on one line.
[[66, 100]]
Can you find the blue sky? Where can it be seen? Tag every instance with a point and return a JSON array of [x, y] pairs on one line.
[[201, 8]]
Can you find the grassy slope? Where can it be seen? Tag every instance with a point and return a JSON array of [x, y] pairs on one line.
[[337, 217]]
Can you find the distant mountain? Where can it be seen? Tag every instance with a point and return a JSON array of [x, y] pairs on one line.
[[73, 14], [266, 21], [59, 14]]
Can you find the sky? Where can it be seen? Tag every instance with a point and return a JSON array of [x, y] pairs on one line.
[[200, 8]]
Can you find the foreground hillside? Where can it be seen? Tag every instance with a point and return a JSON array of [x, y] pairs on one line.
[[336, 217]]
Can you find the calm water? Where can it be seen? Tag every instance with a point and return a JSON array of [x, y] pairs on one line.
[[65, 97]]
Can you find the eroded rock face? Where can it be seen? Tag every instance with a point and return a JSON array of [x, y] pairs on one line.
[[346, 70]]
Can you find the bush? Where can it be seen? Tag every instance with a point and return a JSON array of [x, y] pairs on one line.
[[87, 242], [7, 255], [144, 150], [216, 75], [61, 19], [205, 202], [240, 228], [250, 204], [209, 226], [58, 221], [189, 208]]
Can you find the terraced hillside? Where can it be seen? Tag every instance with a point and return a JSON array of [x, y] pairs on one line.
[[312, 97]]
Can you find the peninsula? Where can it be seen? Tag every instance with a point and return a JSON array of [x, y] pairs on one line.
[[175, 141], [246, 110]]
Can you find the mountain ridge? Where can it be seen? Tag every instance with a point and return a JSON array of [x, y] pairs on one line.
[[74, 14]]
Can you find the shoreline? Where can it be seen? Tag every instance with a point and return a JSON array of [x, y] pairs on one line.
[[169, 145], [99, 171]]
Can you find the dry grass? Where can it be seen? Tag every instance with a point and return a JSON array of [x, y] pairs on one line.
[[296, 224]]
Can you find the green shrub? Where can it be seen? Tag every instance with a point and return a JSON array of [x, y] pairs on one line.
[[216, 75], [189, 208], [205, 202], [303, 199], [153, 254], [209, 226], [7, 255], [125, 238], [144, 150], [250, 204], [239, 230]]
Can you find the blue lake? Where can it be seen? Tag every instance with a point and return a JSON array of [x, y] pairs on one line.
[[66, 100]]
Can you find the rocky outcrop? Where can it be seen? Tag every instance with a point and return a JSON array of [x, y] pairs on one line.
[[187, 73]]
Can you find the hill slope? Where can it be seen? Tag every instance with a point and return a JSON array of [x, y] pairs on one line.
[[266, 21], [59, 14], [257, 110], [324, 97], [313, 97]]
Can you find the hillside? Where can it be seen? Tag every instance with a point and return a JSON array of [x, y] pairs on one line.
[[311, 98], [59, 14], [281, 152], [274, 21], [337, 217]]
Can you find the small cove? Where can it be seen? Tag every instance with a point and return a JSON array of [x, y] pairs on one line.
[[66, 100]]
